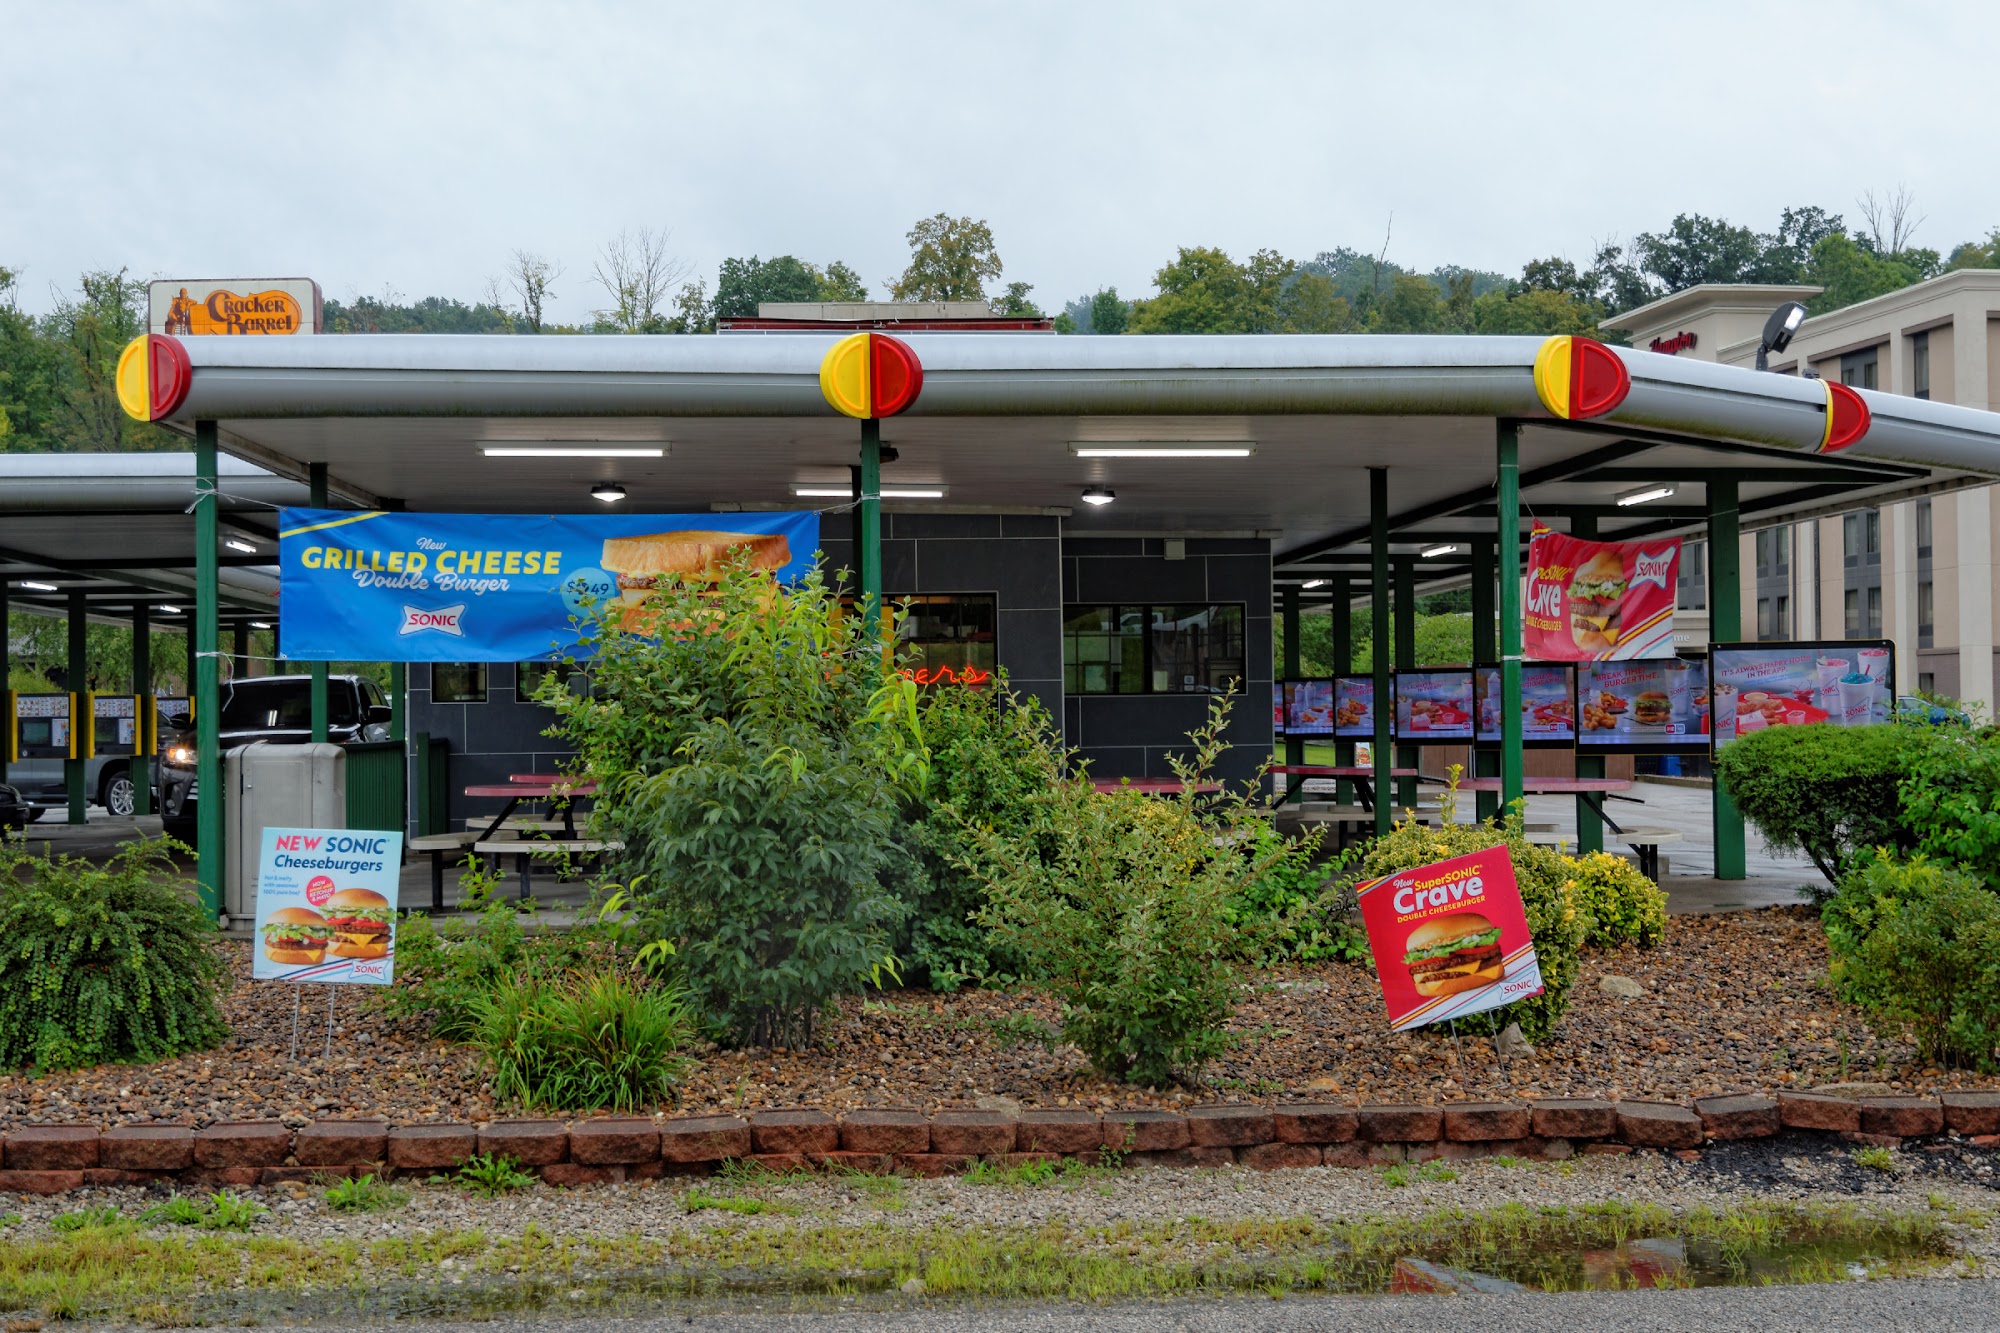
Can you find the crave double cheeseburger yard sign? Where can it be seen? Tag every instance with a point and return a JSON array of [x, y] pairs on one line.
[[1450, 939]]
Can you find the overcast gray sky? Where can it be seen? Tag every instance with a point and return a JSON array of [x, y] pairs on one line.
[[411, 146]]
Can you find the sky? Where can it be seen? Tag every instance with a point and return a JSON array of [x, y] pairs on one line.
[[410, 148]]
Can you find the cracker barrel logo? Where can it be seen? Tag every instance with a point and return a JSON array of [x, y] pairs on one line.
[[224, 311]]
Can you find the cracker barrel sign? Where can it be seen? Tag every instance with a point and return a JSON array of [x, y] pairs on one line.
[[258, 306]]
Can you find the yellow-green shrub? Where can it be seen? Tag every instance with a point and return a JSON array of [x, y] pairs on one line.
[[1622, 904]]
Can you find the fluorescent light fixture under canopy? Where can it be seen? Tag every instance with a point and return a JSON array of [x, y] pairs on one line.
[[1645, 493], [1162, 448], [809, 492], [557, 449]]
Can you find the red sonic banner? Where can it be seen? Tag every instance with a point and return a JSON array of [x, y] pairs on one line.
[[1450, 939], [1599, 601]]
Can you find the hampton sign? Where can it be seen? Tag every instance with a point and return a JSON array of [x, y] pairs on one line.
[[263, 306]]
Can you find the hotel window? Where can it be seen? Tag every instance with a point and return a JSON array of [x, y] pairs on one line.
[[1874, 602], [1694, 576], [1852, 605], [1926, 682], [1774, 617], [1926, 610], [458, 682], [950, 637], [1923, 529], [1774, 552], [1920, 364], [1152, 649], [1861, 538], [1782, 619], [1859, 369], [1764, 618]]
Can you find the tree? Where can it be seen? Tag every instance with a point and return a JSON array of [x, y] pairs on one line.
[[1696, 250], [1111, 315], [951, 259], [1788, 252], [745, 284], [1311, 305], [841, 283], [1535, 311], [1205, 291], [638, 273], [1014, 301], [1850, 271], [530, 276], [1889, 218], [692, 311], [1412, 305], [1976, 254]]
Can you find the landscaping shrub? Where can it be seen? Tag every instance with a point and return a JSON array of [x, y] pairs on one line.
[[1950, 794], [1122, 905], [754, 758], [1623, 905], [608, 1039], [447, 968], [101, 963], [1826, 792], [1916, 946], [1298, 906], [1554, 919]]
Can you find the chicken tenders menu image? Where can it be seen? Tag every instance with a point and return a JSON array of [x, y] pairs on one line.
[[1278, 707], [1657, 707], [1548, 704], [1434, 705], [1309, 708], [1354, 707], [1849, 683]]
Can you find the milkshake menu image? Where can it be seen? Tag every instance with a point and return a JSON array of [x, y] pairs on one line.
[[1434, 705], [1640, 703], [1797, 684], [1548, 713]]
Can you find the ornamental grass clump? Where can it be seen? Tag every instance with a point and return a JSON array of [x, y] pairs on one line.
[[604, 1040], [104, 963]]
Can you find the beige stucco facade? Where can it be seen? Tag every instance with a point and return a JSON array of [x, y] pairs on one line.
[[1939, 339]]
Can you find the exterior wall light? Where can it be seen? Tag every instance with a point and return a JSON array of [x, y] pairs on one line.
[[1778, 331], [608, 491], [1099, 495]]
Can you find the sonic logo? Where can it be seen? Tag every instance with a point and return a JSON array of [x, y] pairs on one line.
[[1653, 569], [445, 620]]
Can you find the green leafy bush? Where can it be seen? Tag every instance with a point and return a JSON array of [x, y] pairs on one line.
[[1121, 904], [1559, 927], [1622, 904], [448, 967], [584, 1041], [104, 962], [1916, 946], [1950, 792], [754, 758], [1299, 906], [1826, 792]]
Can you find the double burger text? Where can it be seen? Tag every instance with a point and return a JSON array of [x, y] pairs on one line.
[[446, 568]]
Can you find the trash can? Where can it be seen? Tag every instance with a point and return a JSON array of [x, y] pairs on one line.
[[281, 786]]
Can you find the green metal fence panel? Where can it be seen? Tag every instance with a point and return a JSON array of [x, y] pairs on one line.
[[433, 783], [375, 786]]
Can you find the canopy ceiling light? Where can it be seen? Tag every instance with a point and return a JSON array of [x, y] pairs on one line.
[[557, 449], [38, 587], [1099, 495], [170, 610], [809, 492], [608, 491], [1433, 552], [1645, 493], [1163, 448], [260, 624], [238, 544], [1315, 583]]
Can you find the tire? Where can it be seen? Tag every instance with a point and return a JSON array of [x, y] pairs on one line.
[[179, 830], [116, 792], [35, 812]]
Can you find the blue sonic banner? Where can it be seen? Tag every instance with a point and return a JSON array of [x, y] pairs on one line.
[[398, 587]]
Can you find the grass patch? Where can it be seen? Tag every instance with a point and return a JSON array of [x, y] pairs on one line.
[[220, 1211], [698, 1201], [490, 1175], [364, 1194], [1877, 1158]]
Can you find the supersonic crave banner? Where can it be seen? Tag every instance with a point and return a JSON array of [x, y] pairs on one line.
[[1450, 939], [1600, 601], [386, 587], [326, 906]]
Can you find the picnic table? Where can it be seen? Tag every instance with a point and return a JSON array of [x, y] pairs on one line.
[[541, 788], [1591, 791], [1361, 775], [1153, 786]]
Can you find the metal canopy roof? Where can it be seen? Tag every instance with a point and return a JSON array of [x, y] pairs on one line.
[[403, 418]]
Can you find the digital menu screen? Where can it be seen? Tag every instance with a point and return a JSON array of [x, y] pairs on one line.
[[1278, 707], [1309, 708], [1658, 706], [1434, 706], [1548, 704], [1354, 707], [1849, 683]]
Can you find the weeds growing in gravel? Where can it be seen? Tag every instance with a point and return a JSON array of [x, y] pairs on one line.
[[220, 1211], [88, 1219], [1875, 1159], [701, 1201], [492, 1175], [364, 1194]]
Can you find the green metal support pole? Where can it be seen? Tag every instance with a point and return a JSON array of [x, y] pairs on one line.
[[239, 652], [6, 670], [141, 767], [207, 673], [1725, 624], [1485, 649], [1406, 658], [77, 678], [1512, 770], [1378, 552], [869, 558], [316, 491], [1295, 746], [1589, 828], [1340, 610]]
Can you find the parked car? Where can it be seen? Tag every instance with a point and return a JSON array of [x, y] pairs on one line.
[[266, 708], [14, 811], [107, 781], [1914, 708]]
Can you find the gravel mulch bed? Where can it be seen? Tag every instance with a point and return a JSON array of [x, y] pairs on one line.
[[1731, 1002]]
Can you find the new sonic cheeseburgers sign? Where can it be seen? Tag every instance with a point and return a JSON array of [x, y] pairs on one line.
[[1450, 939]]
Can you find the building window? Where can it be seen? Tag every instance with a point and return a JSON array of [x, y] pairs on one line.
[[1923, 529], [1781, 621], [1861, 538], [1926, 609], [528, 677], [1926, 682], [950, 638], [458, 682], [1859, 369], [1694, 576], [1763, 617], [1852, 604], [1152, 649], [1774, 552], [1874, 603], [1920, 364]]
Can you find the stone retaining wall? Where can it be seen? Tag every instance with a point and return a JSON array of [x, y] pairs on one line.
[[50, 1159]]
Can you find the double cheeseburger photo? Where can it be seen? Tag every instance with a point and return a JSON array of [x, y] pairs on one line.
[[641, 564], [357, 924], [1459, 951], [1595, 594]]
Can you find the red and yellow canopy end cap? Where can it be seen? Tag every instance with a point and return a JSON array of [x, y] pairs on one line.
[[1577, 378], [870, 375], [1847, 418], [153, 376]]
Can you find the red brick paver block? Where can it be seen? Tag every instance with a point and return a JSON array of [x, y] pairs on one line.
[[1201, 1156], [529, 1142], [52, 1148], [1345, 1154], [704, 1138], [1145, 1131], [1006, 1160], [147, 1148], [311, 1175], [223, 1177], [1230, 1126], [1659, 1125], [883, 1131], [1386, 1122], [566, 1175], [1972, 1113], [931, 1165], [40, 1182], [867, 1163], [1904, 1117], [431, 1147], [794, 1132], [780, 1163], [243, 1143], [1278, 1156], [972, 1133], [620, 1140], [1869, 1140], [1745, 1116], [1481, 1122], [1056, 1131], [1574, 1118], [1816, 1110], [1606, 1149], [340, 1142], [107, 1175], [1314, 1122]]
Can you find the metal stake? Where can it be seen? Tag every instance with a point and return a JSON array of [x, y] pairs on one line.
[[327, 1057], [296, 1000]]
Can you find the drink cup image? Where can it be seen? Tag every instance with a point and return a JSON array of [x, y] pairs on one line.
[[1677, 691], [1874, 663], [1723, 710], [1857, 700], [1831, 669], [1750, 722]]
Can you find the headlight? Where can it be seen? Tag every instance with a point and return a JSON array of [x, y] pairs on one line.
[[180, 754]]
